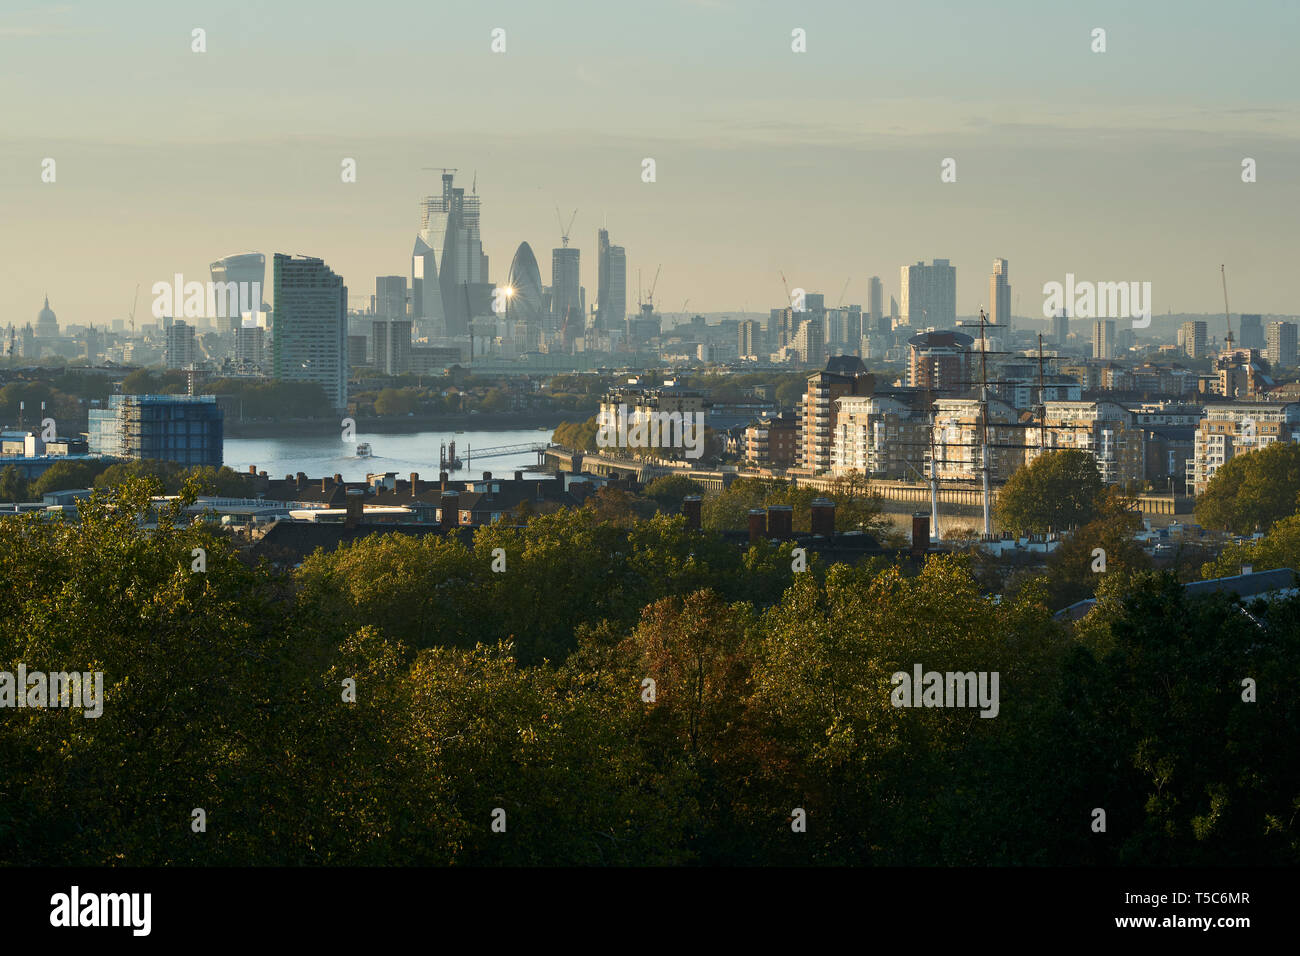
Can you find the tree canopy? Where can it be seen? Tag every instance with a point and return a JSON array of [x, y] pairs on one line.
[[1280, 548], [1056, 491], [1250, 492], [624, 694]]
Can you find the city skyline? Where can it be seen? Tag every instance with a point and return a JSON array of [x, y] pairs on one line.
[[1082, 174], [686, 435]]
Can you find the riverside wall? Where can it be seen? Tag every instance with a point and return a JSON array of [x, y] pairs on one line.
[[903, 495]]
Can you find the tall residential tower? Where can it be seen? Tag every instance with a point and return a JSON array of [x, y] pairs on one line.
[[311, 326], [929, 295], [1000, 294]]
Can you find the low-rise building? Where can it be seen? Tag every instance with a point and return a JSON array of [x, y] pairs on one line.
[[625, 407], [773, 441], [1106, 430], [959, 437]]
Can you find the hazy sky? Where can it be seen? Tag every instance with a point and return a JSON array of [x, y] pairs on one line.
[[1123, 165]]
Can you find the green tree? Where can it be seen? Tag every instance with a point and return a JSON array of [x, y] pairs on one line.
[[166, 473], [1280, 548], [616, 506], [857, 507], [13, 485], [580, 436], [1072, 568], [197, 686], [790, 390], [1056, 491], [1250, 492], [668, 491], [729, 511], [417, 591], [395, 401], [145, 381], [67, 475], [891, 784], [1152, 713], [275, 399], [172, 477], [559, 752]]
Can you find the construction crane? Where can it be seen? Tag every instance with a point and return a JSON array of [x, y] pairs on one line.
[[564, 230], [650, 296], [441, 169], [844, 290], [134, 303], [685, 303], [784, 284], [1227, 316]]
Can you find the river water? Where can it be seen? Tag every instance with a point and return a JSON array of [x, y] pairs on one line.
[[322, 456]]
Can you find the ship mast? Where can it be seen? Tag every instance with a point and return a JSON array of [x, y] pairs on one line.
[[984, 427]]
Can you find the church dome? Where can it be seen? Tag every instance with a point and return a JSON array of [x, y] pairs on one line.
[[47, 323]]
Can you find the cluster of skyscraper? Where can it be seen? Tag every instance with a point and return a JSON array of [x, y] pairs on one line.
[[809, 330], [452, 296], [546, 318], [446, 310]]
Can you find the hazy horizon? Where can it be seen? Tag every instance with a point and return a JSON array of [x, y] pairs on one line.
[[1115, 166]]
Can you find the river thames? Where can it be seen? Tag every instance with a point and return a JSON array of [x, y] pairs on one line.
[[322, 456]]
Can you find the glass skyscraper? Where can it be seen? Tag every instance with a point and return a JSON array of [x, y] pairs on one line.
[[611, 292]]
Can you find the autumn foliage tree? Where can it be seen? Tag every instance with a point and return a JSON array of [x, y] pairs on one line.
[[1056, 491], [393, 701], [1250, 492]]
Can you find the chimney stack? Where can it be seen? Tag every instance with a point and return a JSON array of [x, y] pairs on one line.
[[301, 480], [519, 476], [823, 517], [757, 525], [442, 480], [338, 479], [487, 476], [415, 481], [449, 503], [324, 484], [920, 533], [356, 508], [691, 505], [252, 469], [780, 521]]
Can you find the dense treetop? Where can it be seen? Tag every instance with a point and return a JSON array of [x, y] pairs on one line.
[[524, 689], [1056, 491], [1249, 492]]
